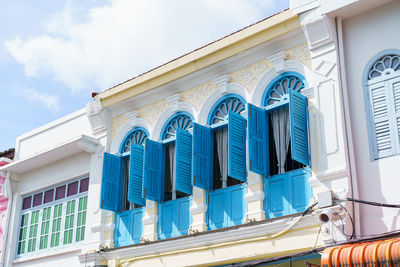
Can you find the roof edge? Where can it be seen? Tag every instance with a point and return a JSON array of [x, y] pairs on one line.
[[203, 57]]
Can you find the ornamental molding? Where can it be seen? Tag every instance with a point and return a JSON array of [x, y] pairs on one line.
[[266, 79], [248, 77], [233, 88], [166, 115], [124, 130], [222, 83], [278, 59], [197, 95]]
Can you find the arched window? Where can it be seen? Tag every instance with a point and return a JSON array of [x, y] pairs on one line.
[[278, 90], [278, 145], [136, 136], [224, 160], [221, 110], [382, 87], [178, 121], [276, 101]]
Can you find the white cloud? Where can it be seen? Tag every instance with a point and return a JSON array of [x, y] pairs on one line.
[[125, 38], [51, 102]]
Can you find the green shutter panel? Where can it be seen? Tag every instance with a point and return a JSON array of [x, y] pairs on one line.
[[136, 175], [258, 140], [237, 147], [298, 127], [202, 156], [183, 170], [153, 178], [112, 181]]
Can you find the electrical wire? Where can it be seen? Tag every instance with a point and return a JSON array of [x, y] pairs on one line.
[[371, 203], [351, 219]]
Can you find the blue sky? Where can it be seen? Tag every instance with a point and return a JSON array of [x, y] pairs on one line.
[[53, 54]]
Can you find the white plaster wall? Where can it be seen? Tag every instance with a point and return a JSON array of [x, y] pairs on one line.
[[62, 171], [64, 260], [364, 36], [55, 173], [53, 134]]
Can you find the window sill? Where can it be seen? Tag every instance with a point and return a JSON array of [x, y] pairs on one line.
[[48, 253]]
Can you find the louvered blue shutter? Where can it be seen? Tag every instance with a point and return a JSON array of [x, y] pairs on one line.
[[258, 140], [153, 178], [237, 147], [111, 184], [136, 175], [202, 156], [183, 170], [298, 127]]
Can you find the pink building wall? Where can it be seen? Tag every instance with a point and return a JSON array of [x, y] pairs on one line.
[[5, 158]]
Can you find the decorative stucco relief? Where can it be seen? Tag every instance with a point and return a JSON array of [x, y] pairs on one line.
[[197, 95], [152, 112], [300, 53], [248, 77], [117, 122]]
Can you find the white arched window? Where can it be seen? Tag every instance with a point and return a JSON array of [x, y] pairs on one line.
[[382, 84]]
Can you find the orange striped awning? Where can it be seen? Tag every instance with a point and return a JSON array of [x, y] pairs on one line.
[[381, 253]]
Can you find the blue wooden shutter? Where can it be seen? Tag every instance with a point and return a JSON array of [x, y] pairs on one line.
[[258, 140], [111, 184], [136, 175], [237, 147], [278, 195], [202, 156], [153, 178], [183, 170], [298, 127]]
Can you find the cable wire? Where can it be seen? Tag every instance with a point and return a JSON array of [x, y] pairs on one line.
[[371, 203]]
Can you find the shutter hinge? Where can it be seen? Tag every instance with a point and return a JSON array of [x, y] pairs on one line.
[[194, 179], [102, 203], [251, 164], [105, 158], [249, 110], [195, 129], [144, 192]]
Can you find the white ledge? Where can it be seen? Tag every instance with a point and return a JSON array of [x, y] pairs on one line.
[[254, 196], [63, 150], [150, 219], [198, 209], [244, 231]]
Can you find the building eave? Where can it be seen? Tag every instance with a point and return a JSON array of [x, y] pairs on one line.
[[224, 48]]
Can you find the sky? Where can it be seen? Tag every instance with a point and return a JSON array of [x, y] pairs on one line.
[[54, 54]]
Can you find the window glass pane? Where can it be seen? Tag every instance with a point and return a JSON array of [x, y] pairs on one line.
[[84, 185], [26, 203], [48, 196], [72, 188], [60, 192], [37, 199]]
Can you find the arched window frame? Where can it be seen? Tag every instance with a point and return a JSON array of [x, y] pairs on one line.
[[167, 124], [135, 131], [277, 80], [219, 103], [387, 78]]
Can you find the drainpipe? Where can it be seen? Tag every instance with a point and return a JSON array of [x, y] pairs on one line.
[[350, 157]]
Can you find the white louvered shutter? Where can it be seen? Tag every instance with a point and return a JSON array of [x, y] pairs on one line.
[[381, 118], [394, 86]]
